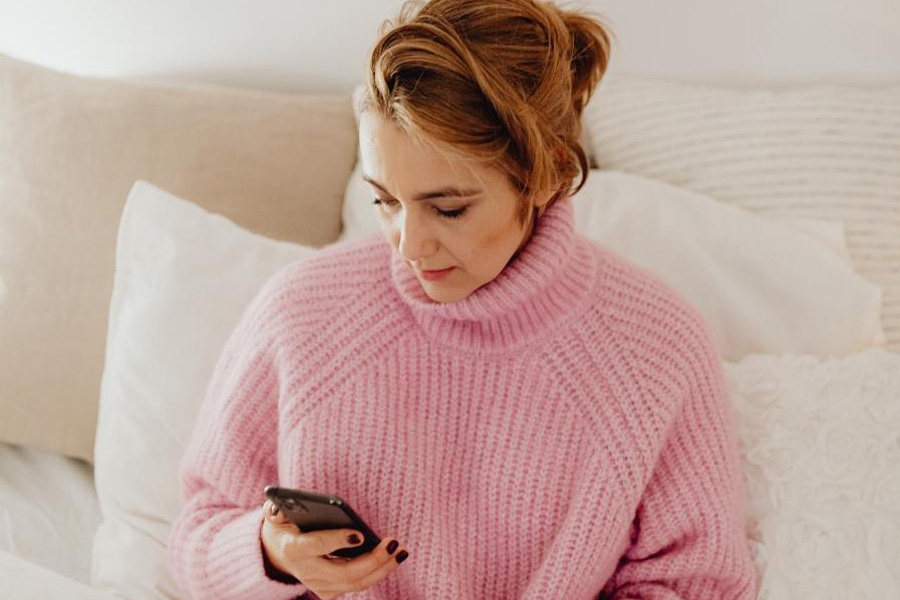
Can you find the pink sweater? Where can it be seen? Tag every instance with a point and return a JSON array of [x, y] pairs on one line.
[[564, 432]]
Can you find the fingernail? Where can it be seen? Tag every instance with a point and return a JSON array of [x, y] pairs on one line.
[[402, 556], [353, 538], [392, 545], [273, 509]]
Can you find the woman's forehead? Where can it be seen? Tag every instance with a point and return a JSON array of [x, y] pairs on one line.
[[389, 153]]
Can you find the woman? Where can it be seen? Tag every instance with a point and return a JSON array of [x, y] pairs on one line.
[[518, 412]]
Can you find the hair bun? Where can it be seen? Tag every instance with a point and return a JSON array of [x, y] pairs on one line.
[[590, 51]]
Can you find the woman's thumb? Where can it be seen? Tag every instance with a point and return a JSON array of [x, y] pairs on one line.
[[273, 513]]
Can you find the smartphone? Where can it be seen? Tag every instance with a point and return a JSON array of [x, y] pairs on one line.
[[312, 511]]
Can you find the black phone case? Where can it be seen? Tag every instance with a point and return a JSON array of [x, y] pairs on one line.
[[312, 511]]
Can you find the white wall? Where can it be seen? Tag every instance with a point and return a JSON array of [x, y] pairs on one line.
[[321, 46]]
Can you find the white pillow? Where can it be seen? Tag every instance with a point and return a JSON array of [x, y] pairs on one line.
[[811, 151], [358, 220], [183, 277], [820, 445], [762, 285], [831, 233]]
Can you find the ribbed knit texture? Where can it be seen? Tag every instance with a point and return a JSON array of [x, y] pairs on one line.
[[565, 431]]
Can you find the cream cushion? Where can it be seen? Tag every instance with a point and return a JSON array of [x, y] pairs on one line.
[[808, 151], [70, 149]]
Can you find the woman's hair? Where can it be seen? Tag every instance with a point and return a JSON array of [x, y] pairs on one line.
[[502, 81]]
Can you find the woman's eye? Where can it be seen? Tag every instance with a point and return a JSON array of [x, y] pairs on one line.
[[450, 214]]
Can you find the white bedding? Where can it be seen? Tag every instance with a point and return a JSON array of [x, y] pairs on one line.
[[25, 580], [48, 512]]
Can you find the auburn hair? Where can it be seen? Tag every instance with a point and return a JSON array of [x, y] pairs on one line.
[[503, 82]]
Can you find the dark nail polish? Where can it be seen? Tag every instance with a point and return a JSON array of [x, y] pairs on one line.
[[402, 556], [353, 538], [392, 545]]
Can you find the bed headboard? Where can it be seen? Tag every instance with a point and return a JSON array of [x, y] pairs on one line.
[[322, 46]]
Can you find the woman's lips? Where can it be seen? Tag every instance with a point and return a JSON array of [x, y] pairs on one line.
[[435, 275]]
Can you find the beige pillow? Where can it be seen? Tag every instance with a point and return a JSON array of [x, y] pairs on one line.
[[70, 150]]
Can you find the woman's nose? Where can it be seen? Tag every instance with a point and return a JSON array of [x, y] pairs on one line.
[[416, 240]]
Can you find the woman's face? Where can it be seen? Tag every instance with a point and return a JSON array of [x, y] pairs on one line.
[[440, 212]]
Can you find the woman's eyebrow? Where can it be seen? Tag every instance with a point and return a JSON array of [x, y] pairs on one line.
[[444, 191]]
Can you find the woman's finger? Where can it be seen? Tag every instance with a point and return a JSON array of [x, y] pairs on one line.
[[372, 566], [381, 571]]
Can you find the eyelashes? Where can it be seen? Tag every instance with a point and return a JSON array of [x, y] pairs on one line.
[[448, 214]]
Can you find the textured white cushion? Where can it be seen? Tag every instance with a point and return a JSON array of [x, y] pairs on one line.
[[183, 277], [763, 285], [820, 441], [814, 151]]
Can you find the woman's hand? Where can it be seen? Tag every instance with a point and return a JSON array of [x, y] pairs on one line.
[[303, 555]]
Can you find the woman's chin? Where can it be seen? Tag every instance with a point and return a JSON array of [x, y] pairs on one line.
[[441, 292]]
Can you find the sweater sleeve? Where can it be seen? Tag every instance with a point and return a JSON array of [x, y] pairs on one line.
[[688, 537], [214, 547]]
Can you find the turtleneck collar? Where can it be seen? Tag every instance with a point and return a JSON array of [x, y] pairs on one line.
[[551, 276]]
